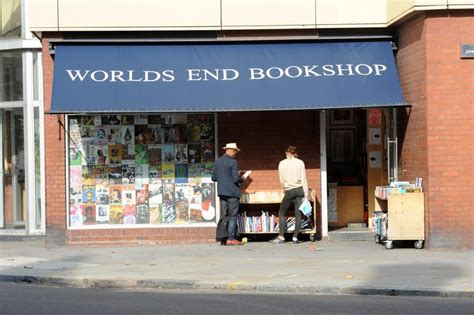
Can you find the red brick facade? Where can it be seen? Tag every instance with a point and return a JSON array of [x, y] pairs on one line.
[[438, 143]]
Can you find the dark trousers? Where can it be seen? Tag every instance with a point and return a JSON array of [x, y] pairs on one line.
[[295, 196], [230, 207]]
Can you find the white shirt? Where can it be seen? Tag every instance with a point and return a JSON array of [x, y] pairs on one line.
[[293, 174]]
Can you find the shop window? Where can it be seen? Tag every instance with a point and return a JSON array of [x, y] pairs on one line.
[[11, 85], [141, 169]]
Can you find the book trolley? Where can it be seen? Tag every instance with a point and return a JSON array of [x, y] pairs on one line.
[[259, 214], [399, 215]]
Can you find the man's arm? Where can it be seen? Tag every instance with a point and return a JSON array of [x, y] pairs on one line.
[[234, 172], [214, 172]]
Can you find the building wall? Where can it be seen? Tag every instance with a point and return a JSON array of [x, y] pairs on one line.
[[438, 144], [140, 15]]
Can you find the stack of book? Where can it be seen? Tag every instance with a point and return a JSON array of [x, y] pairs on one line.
[[254, 224]]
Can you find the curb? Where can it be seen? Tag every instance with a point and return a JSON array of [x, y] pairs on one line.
[[199, 285]]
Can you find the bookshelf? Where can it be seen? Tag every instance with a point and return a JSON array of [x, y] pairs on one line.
[[399, 216], [259, 214]]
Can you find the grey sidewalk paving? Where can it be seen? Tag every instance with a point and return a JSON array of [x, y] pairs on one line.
[[321, 267]]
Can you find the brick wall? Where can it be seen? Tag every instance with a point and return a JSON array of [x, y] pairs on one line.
[[263, 136], [55, 168], [440, 86]]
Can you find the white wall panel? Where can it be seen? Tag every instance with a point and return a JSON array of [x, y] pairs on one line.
[[244, 14], [138, 14], [343, 13], [461, 4], [43, 15]]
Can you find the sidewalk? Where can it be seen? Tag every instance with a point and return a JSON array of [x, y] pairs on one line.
[[321, 267]]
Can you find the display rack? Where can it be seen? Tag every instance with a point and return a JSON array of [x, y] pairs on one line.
[[399, 215], [259, 214]]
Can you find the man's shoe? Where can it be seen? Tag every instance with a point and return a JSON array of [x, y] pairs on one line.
[[277, 240], [233, 243], [296, 241]]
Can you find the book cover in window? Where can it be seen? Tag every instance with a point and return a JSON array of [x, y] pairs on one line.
[[127, 119], [143, 214], [154, 154], [207, 152], [101, 174], [195, 202], [88, 177], [142, 134], [168, 119], [75, 156], [157, 134], [179, 133], [168, 191], [88, 194], [115, 135], [141, 154], [155, 120], [75, 177], [208, 202], [102, 215], [206, 172], [75, 220], [87, 132], [141, 119], [169, 213], [128, 154], [155, 213], [168, 170], [154, 174], [129, 196], [116, 214], [115, 175], [194, 173], [181, 173], [142, 195], [115, 154], [128, 174], [141, 176], [129, 213], [128, 134], [112, 120], [101, 135], [101, 154], [181, 153], [194, 153], [88, 211], [115, 195], [102, 192], [155, 194], [182, 203], [75, 196], [167, 153], [89, 155]]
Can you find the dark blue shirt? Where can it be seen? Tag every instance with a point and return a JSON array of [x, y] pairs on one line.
[[225, 173]]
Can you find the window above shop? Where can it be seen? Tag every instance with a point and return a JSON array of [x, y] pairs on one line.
[[10, 18]]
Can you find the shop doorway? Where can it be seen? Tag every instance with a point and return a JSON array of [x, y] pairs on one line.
[[12, 179], [346, 169], [361, 154]]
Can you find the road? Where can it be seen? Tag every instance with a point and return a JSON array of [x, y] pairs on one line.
[[35, 299]]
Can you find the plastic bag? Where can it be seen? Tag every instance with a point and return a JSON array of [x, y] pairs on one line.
[[306, 208]]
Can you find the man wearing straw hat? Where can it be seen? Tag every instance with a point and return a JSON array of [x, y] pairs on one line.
[[226, 174]]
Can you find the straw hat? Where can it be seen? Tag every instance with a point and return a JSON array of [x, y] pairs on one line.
[[232, 145]]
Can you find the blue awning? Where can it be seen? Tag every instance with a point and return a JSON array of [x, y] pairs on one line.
[[224, 77]]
